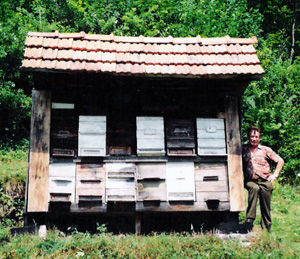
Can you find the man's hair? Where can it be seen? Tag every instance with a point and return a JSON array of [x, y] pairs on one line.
[[253, 128]]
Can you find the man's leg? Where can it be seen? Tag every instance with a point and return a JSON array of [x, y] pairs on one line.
[[253, 194], [266, 188]]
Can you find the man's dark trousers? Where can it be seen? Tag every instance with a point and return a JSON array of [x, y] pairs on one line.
[[260, 189]]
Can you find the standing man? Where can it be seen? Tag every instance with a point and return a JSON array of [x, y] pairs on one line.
[[258, 179]]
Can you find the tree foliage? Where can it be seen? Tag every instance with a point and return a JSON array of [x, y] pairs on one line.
[[271, 103]]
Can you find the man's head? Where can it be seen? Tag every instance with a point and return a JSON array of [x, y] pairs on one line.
[[253, 136]]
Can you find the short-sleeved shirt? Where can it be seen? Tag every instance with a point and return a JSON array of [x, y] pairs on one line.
[[255, 164]]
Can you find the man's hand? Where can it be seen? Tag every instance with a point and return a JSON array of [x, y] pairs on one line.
[[272, 178]]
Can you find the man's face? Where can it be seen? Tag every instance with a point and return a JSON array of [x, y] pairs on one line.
[[254, 138]]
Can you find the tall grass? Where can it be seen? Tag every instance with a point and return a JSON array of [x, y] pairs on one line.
[[282, 242]]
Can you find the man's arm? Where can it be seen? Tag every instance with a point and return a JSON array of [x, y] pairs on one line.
[[277, 171]]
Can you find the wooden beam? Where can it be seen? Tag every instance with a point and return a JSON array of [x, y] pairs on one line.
[[181, 206], [138, 223], [234, 147], [39, 152]]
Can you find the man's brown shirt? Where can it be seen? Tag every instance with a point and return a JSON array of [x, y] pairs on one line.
[[255, 164]]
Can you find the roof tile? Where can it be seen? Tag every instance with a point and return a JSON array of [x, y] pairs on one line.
[[192, 40], [33, 53], [136, 47], [79, 55], [78, 65], [92, 56], [65, 43], [108, 46], [50, 43], [152, 69], [158, 40], [49, 64], [63, 65], [31, 63], [79, 45], [34, 41], [99, 37], [122, 47], [195, 59], [193, 48], [138, 69], [64, 54], [123, 57], [91, 66], [141, 55], [109, 56], [123, 68], [137, 58], [93, 45]]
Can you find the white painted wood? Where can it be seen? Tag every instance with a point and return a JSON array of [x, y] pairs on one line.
[[62, 170], [150, 123], [92, 136], [120, 182], [67, 106], [150, 135], [211, 136], [64, 185], [150, 143], [83, 118], [180, 181]]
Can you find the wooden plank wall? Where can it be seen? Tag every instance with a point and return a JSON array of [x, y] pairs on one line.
[[235, 171], [38, 182]]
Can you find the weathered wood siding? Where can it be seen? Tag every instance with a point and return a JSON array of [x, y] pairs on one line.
[[151, 182], [38, 176], [90, 183], [211, 182], [234, 146]]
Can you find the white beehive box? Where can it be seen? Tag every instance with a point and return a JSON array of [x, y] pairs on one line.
[[62, 182], [150, 136], [211, 136], [92, 136], [180, 181], [120, 182]]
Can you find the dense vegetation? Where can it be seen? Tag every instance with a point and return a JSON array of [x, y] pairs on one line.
[[272, 103]]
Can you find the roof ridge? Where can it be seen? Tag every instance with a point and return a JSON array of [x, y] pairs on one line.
[[148, 40]]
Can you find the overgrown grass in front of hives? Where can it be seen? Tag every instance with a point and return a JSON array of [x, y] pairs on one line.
[[103, 245], [282, 242], [13, 171]]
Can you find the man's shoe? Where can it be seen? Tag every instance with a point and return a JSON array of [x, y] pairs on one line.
[[249, 221]]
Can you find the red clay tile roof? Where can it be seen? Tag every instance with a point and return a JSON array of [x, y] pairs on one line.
[[196, 56]]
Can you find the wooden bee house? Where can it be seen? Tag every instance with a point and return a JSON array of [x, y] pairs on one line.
[[151, 125]]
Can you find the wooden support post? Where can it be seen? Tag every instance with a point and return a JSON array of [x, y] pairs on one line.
[[234, 146], [138, 223], [39, 152]]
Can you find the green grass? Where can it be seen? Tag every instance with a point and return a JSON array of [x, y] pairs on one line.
[[282, 242]]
